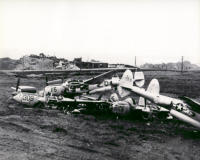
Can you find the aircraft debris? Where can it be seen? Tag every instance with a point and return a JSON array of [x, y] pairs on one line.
[[63, 96]]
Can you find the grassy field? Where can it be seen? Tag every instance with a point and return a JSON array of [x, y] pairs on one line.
[[50, 134], [186, 83]]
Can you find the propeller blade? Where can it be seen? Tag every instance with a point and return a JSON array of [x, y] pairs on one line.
[[18, 82], [62, 78], [100, 96], [46, 78]]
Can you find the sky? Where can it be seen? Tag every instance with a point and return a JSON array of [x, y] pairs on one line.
[[155, 31]]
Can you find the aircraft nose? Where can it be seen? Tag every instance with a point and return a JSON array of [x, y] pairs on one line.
[[115, 107], [17, 98], [120, 107], [41, 93], [14, 93]]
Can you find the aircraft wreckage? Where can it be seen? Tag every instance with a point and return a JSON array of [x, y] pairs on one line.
[[77, 96]]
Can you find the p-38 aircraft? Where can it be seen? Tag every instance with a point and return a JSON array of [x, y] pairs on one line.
[[185, 109], [72, 88], [122, 101], [28, 95], [119, 102]]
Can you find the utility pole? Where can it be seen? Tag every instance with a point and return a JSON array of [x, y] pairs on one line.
[[182, 64], [23, 63], [135, 61]]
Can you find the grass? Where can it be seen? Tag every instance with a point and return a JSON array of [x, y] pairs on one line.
[[176, 83]]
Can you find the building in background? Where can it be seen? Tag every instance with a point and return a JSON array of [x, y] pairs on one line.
[[120, 66], [91, 64]]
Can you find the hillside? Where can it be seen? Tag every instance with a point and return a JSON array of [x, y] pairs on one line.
[[42, 62], [31, 63], [27, 63], [8, 63]]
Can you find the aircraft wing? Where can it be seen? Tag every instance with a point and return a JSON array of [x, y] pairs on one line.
[[76, 101], [99, 78], [55, 82], [90, 98], [195, 106]]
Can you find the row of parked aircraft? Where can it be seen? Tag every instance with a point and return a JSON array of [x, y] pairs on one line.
[[77, 95]]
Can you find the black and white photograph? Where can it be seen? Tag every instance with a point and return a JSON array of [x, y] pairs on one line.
[[100, 79]]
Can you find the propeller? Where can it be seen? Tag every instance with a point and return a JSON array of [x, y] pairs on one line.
[[62, 78], [100, 96], [18, 82], [46, 78]]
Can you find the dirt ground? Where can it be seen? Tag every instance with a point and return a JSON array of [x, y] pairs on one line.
[[30, 133]]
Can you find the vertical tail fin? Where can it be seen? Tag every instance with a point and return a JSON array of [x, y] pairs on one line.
[[154, 87], [126, 80], [139, 79]]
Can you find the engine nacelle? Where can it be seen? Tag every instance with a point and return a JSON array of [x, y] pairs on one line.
[[115, 81]]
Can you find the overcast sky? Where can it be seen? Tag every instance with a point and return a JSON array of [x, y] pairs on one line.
[[155, 31]]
